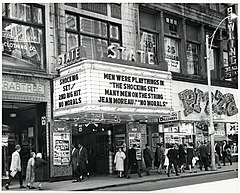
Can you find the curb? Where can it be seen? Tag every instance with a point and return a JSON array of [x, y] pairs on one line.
[[156, 179]]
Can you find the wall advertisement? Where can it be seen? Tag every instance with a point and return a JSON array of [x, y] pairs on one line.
[[61, 147]]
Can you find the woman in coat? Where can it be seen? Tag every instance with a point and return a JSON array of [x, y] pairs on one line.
[[119, 161], [39, 170], [190, 155], [30, 172]]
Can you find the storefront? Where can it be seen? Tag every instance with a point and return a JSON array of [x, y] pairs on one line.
[[191, 100], [25, 111], [103, 105]]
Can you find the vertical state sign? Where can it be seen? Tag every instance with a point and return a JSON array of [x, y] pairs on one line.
[[67, 91]]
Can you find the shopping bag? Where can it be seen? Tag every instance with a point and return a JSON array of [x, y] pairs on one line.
[[13, 173]]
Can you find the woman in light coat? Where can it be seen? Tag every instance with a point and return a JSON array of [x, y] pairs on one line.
[[30, 172], [119, 161]]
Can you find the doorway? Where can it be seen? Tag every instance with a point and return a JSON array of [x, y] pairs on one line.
[[96, 141]]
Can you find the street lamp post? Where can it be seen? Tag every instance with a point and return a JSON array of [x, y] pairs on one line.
[[231, 17]]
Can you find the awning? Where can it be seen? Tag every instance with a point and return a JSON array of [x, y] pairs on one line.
[[221, 138]]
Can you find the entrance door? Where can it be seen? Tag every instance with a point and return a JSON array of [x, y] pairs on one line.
[[96, 140]]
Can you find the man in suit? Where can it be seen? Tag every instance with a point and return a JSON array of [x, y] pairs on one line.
[[172, 155], [74, 163], [132, 161], [226, 153], [204, 153], [148, 158], [15, 168], [217, 151], [82, 161]]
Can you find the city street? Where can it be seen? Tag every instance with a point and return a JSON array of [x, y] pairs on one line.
[[164, 184]]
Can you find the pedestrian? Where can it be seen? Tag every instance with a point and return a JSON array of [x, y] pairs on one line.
[[148, 158], [30, 172], [190, 155], [119, 161], [82, 161], [217, 152], [166, 161], [203, 153], [124, 149], [173, 159], [182, 158], [226, 153], [74, 163], [132, 161], [39, 170], [159, 157], [15, 168]]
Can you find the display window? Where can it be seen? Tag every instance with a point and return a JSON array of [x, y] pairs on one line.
[[23, 36], [93, 34]]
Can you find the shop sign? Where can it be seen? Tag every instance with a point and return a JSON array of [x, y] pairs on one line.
[[223, 104], [121, 87], [173, 65], [171, 127], [119, 52], [231, 71], [72, 56], [23, 87], [232, 128], [222, 133], [173, 117], [186, 128]]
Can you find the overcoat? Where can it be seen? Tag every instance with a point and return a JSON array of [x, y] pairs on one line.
[[30, 172], [119, 161], [39, 169]]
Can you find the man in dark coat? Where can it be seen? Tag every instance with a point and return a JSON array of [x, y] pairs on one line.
[[39, 170], [148, 158], [132, 161], [226, 153], [217, 151], [82, 161], [172, 155], [203, 153], [74, 163]]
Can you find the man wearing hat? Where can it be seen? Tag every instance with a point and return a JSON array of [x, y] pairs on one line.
[[15, 168]]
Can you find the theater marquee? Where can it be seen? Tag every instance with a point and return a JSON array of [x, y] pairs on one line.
[[102, 86]]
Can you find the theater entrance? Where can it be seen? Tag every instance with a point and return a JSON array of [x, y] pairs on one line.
[[97, 139]]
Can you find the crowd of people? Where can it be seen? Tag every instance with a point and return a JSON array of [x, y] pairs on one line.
[[175, 159], [34, 171]]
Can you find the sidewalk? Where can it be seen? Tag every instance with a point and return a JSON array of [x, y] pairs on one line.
[[104, 181]]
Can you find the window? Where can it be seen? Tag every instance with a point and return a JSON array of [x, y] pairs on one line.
[[23, 36], [172, 54], [172, 38], [148, 37], [100, 8], [192, 52], [116, 10], [94, 35]]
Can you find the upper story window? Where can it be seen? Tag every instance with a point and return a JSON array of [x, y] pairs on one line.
[[148, 37], [193, 49], [172, 38], [23, 36], [93, 34]]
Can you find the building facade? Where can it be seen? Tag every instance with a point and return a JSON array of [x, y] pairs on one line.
[[106, 74]]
